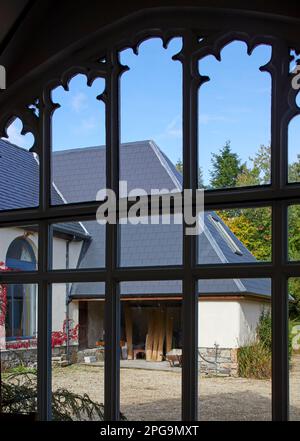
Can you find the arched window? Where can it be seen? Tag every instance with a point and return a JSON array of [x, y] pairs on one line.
[[20, 255], [211, 73], [21, 299]]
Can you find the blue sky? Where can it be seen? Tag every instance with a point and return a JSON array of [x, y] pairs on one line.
[[234, 105]]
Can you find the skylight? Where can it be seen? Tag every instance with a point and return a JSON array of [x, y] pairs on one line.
[[230, 242]]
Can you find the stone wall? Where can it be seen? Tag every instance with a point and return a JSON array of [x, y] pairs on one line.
[[218, 361], [28, 356], [15, 357], [212, 361], [96, 352]]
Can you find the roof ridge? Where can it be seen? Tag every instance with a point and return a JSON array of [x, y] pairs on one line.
[[164, 163], [95, 147]]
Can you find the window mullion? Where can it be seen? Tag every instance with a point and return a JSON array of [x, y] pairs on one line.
[[279, 68], [44, 389], [112, 300], [280, 362], [190, 298]]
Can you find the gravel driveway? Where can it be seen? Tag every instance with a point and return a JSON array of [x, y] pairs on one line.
[[155, 395]]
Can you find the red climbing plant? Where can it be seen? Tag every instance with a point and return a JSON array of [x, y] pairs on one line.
[[3, 296], [59, 338]]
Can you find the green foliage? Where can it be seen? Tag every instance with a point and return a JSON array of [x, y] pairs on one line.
[[294, 254], [259, 172], [18, 395], [179, 167], [200, 178], [255, 359], [294, 291], [294, 171], [264, 330], [22, 369], [226, 167], [254, 362], [253, 226]]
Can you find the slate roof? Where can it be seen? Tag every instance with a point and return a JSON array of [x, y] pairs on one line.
[[79, 173], [143, 165], [19, 184]]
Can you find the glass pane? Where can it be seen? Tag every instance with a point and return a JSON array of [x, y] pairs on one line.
[[19, 248], [294, 149], [236, 236], [151, 117], [235, 118], [294, 347], [151, 349], [19, 169], [293, 232], [234, 351], [18, 348], [78, 142], [151, 244], [78, 245], [78, 346]]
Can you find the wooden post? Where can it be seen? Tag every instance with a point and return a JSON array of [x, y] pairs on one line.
[[161, 335], [128, 330], [150, 335], [169, 331], [156, 334]]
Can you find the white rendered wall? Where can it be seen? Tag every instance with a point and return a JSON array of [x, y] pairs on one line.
[[60, 250], [250, 313], [230, 324], [218, 323]]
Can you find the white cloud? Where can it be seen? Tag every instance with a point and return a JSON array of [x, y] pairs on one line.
[[15, 137], [173, 129], [79, 102], [86, 125], [207, 119]]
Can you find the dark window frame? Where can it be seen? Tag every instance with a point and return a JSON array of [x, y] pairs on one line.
[[191, 23]]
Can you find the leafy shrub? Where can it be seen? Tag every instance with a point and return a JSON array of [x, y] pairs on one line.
[[255, 360], [18, 395], [264, 330]]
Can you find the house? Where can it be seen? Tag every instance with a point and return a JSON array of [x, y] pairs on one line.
[[229, 310]]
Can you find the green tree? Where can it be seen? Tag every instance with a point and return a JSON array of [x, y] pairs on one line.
[[294, 171], [294, 254], [259, 172], [253, 226], [226, 167], [294, 240], [179, 167]]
